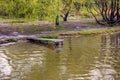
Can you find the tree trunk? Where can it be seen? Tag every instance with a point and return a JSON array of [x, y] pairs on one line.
[[108, 9], [57, 20], [66, 16]]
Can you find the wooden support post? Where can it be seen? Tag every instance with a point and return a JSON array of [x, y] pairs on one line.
[[56, 43], [62, 43]]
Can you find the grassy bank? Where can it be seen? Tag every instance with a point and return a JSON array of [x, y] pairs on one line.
[[82, 32], [70, 28]]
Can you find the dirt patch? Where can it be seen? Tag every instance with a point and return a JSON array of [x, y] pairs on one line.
[[39, 26], [10, 32], [80, 25]]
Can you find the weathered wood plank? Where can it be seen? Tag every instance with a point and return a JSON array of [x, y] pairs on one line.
[[55, 41], [46, 39]]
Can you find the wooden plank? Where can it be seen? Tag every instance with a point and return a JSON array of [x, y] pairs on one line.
[[46, 39]]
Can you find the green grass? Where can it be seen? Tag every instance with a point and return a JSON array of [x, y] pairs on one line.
[[83, 32], [96, 31], [32, 29], [15, 19]]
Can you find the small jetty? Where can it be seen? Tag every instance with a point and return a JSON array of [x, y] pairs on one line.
[[47, 41]]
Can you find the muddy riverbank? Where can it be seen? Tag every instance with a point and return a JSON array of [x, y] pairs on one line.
[[19, 31]]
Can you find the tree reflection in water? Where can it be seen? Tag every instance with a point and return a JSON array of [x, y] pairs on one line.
[[105, 65], [84, 58]]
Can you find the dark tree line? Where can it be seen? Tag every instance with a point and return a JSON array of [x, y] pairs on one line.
[[109, 10]]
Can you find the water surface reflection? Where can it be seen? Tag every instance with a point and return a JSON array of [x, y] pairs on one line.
[[5, 67], [84, 58]]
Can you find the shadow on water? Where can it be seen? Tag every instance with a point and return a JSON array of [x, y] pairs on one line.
[[84, 58], [51, 46]]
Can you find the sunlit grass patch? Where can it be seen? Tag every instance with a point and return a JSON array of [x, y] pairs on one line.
[[97, 31], [89, 32]]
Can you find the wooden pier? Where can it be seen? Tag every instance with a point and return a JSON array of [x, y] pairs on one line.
[[47, 41]]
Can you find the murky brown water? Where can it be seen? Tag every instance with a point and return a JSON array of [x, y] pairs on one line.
[[84, 58]]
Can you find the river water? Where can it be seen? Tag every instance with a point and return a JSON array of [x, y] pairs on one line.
[[84, 58]]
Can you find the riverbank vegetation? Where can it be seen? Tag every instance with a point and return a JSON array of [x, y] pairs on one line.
[[52, 10], [82, 33], [35, 16]]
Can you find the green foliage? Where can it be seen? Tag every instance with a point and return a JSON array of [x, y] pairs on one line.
[[90, 31], [20, 8], [48, 9], [37, 9], [83, 32], [96, 31]]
